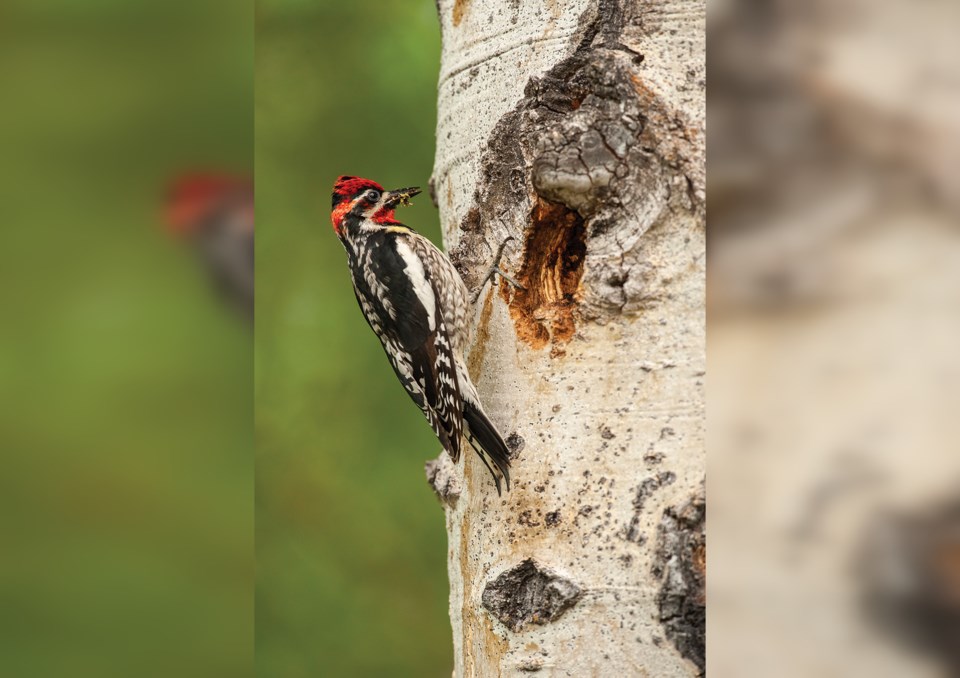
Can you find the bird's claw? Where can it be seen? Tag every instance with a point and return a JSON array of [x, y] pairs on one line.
[[496, 270]]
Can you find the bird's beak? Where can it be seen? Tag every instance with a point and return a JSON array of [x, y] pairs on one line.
[[401, 196]]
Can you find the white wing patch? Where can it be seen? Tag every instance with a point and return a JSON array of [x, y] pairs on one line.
[[452, 293], [421, 286]]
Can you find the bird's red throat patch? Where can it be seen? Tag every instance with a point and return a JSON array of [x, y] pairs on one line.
[[386, 216], [338, 213]]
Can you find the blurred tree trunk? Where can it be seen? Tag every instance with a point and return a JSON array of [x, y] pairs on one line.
[[833, 431], [577, 128]]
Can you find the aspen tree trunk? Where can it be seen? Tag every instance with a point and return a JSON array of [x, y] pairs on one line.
[[577, 129]]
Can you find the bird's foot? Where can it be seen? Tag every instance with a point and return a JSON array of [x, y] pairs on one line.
[[496, 270]]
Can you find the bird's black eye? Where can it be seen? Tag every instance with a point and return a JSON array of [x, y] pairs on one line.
[[372, 195]]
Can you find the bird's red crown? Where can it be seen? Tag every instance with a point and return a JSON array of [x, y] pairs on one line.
[[348, 188], [345, 191]]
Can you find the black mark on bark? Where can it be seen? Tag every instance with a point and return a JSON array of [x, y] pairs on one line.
[[529, 594], [530, 665], [910, 566], [680, 564], [646, 490]]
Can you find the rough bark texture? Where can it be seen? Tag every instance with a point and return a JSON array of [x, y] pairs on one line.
[[577, 128]]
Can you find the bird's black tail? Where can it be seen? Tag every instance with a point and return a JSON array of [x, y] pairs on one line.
[[486, 440]]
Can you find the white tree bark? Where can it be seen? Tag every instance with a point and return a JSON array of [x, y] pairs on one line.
[[577, 128], [834, 270]]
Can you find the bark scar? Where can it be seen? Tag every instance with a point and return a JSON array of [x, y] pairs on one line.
[[460, 8], [529, 594], [442, 477], [553, 255], [585, 166], [680, 564]]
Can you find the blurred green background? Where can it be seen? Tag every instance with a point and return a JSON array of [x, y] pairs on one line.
[[351, 547], [126, 389]]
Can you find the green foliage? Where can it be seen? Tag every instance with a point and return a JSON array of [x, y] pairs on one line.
[[351, 546]]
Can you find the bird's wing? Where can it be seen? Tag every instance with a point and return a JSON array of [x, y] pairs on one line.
[[418, 339]]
